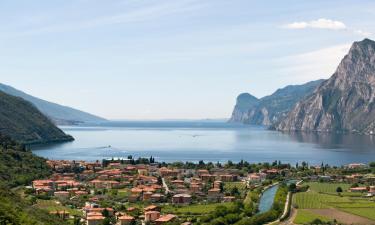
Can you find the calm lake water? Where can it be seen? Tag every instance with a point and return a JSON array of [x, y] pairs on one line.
[[210, 141]]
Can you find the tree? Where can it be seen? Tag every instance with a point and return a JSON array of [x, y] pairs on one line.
[[292, 187], [105, 213], [221, 187], [77, 220], [317, 221], [234, 191], [338, 190], [160, 180], [106, 221]]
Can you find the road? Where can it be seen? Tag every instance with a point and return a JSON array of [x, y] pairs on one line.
[[292, 216], [165, 186]]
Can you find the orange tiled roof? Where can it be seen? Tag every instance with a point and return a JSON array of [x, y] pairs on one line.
[[96, 218], [166, 218], [126, 217]]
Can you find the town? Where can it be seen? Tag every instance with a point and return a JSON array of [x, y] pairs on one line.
[[142, 191]]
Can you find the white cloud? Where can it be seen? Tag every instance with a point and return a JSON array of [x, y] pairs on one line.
[[321, 23], [320, 63], [327, 24]]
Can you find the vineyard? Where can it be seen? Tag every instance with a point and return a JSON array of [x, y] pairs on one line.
[[314, 200], [326, 187], [324, 196]]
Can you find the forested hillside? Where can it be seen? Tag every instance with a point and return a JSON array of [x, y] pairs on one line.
[[24, 123], [19, 166]]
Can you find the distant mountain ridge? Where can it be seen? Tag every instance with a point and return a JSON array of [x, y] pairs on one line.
[[270, 109], [61, 115], [23, 122], [343, 103]]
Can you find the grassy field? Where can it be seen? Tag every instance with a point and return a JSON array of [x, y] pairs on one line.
[[314, 200], [358, 207], [197, 209], [304, 217], [124, 192], [51, 205], [323, 196], [326, 187]]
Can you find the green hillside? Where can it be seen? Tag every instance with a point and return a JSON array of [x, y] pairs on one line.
[[22, 122], [59, 114], [19, 166]]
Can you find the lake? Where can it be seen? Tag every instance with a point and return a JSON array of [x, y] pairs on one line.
[[209, 141]]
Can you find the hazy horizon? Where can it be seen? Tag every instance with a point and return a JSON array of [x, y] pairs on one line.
[[172, 60]]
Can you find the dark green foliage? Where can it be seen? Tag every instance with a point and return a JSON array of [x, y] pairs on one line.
[[243, 214], [60, 114], [22, 122], [292, 187], [19, 167], [16, 211]]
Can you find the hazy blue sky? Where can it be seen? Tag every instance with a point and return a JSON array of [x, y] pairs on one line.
[[157, 59]]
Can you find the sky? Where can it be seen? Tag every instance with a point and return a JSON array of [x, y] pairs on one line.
[[172, 59]]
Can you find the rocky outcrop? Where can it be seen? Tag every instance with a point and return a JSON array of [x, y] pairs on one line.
[[270, 109], [245, 102], [343, 103]]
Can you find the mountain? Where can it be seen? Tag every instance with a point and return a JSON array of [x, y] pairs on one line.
[[61, 115], [343, 103], [24, 123], [272, 108], [244, 103]]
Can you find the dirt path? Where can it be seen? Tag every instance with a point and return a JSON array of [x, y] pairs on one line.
[[292, 216], [342, 217]]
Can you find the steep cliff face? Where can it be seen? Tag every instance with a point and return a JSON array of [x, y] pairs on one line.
[[272, 108], [345, 102], [245, 102]]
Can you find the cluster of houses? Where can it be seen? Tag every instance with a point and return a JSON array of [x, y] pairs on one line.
[[155, 185], [146, 183], [152, 214]]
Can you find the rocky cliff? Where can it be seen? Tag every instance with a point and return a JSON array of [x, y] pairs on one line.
[[244, 103], [343, 103], [272, 108]]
